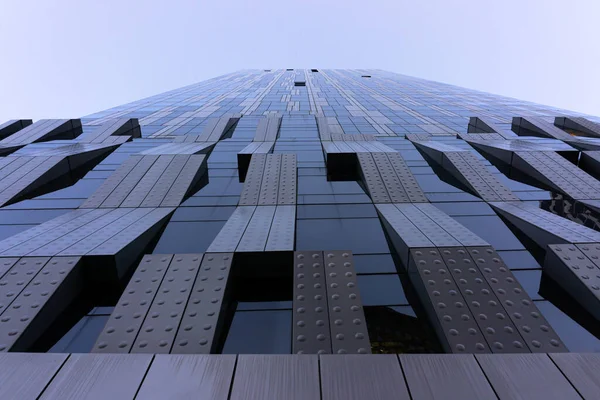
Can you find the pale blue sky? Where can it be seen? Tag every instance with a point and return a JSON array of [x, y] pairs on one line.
[[68, 58]]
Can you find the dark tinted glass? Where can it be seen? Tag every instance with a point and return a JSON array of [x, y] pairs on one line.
[[575, 337], [81, 338], [381, 290], [492, 230], [336, 211], [187, 237], [260, 332], [530, 280], [374, 264], [519, 259]]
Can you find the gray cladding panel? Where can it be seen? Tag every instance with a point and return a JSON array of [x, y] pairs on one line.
[[346, 316], [356, 377], [99, 376], [372, 179], [311, 333], [582, 371], [252, 184], [202, 320], [283, 229], [24, 376], [269, 187], [445, 377], [290, 377], [519, 376], [257, 232], [230, 235]]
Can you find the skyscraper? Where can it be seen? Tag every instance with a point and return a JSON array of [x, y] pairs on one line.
[[305, 212]]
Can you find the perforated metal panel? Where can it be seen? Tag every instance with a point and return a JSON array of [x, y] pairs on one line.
[[257, 232], [311, 334], [346, 317], [372, 179], [269, 187], [283, 229], [202, 320], [407, 180], [288, 180], [251, 190], [230, 235]]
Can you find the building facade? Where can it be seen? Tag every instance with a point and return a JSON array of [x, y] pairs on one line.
[[304, 212]]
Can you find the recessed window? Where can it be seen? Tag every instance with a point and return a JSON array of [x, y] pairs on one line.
[[314, 70], [366, 76], [299, 83], [290, 69], [267, 70]]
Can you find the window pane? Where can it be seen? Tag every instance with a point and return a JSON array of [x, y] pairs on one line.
[[260, 332]]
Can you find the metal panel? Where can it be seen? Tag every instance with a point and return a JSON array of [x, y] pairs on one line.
[[445, 377], [194, 168], [110, 184], [428, 225], [188, 377], [409, 183], [148, 181], [202, 322], [99, 376], [162, 321], [159, 190], [311, 334], [287, 180], [230, 235], [492, 319], [9, 127], [129, 313], [453, 321], [577, 274], [346, 317], [124, 187], [251, 190], [533, 327], [40, 302], [390, 179], [582, 371], [519, 376], [270, 181], [24, 376], [6, 264], [449, 224], [372, 179], [17, 278], [283, 229], [291, 377], [355, 377], [257, 232]]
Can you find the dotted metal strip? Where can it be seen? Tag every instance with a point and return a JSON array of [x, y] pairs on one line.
[[200, 327], [533, 327], [346, 316], [493, 321], [447, 309], [283, 229], [163, 184], [255, 236], [230, 235], [129, 313], [288, 180], [17, 277], [194, 168], [503, 192], [163, 319], [254, 176], [110, 184], [390, 179], [129, 182], [269, 187], [29, 314], [149, 180], [428, 225], [311, 334], [407, 180], [449, 224], [372, 179]]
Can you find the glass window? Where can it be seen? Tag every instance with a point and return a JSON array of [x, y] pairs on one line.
[[381, 290], [573, 335], [260, 332], [221, 187], [361, 236], [211, 201], [336, 211], [519, 259], [83, 189], [263, 305], [320, 185], [467, 208], [81, 338], [29, 216], [187, 237], [374, 264], [10, 230], [492, 230], [431, 183], [202, 213], [530, 280]]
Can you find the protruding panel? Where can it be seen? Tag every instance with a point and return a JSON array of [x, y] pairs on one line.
[[445, 377], [40, 303], [579, 125], [6, 264], [155, 197], [283, 229], [534, 126], [188, 377], [544, 227], [216, 128], [96, 199], [447, 223], [311, 333], [14, 125], [294, 377], [257, 232], [481, 124], [180, 148], [525, 376], [268, 129], [43, 130], [129, 313], [161, 323], [582, 371], [288, 182], [24, 376], [454, 323], [346, 317], [137, 195], [269, 187], [17, 278], [355, 377], [230, 235], [372, 179], [533, 327], [110, 130], [590, 162], [118, 195], [194, 169], [253, 181], [428, 225], [568, 266], [200, 328], [407, 180], [492, 319], [245, 155], [99, 376], [403, 233], [390, 180]]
